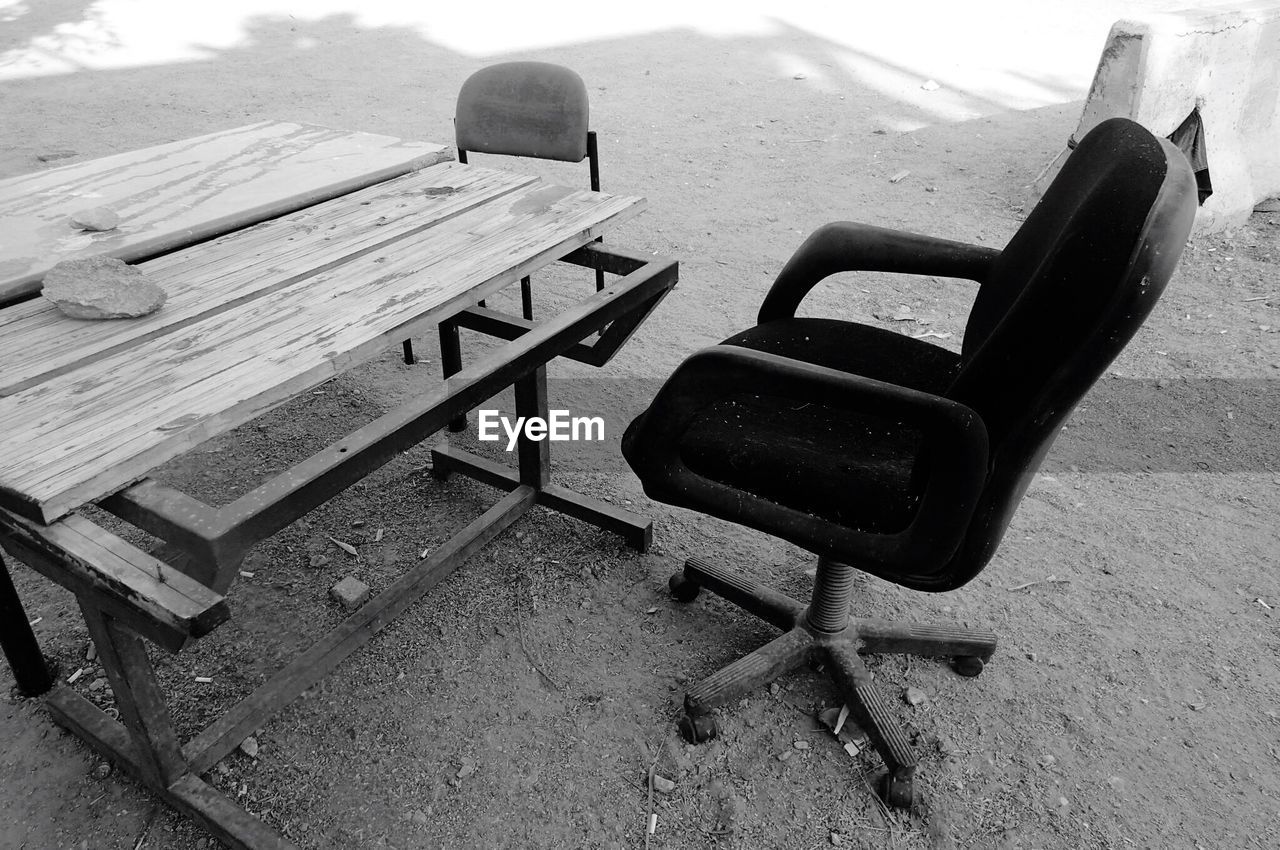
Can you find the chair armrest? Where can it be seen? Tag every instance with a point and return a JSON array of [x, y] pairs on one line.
[[845, 246], [954, 434]]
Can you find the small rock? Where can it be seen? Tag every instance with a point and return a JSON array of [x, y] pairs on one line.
[[798, 77], [91, 651], [350, 593], [1047, 760], [837, 839], [785, 755], [96, 218], [774, 689], [468, 768], [800, 745], [358, 523], [1117, 783], [49, 156], [930, 85], [318, 561], [101, 770], [101, 288], [249, 746], [915, 696], [418, 818], [202, 844], [662, 784], [98, 684]]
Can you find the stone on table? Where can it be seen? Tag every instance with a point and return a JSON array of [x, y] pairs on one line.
[[95, 218], [101, 288]]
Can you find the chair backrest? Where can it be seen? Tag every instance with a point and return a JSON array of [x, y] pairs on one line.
[[533, 109], [1066, 295]]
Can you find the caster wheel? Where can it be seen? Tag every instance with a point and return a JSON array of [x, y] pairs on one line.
[[967, 665], [682, 588], [698, 729], [897, 792]]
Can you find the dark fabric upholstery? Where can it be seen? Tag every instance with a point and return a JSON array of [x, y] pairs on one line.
[[533, 109], [846, 468], [1051, 290], [1055, 308]]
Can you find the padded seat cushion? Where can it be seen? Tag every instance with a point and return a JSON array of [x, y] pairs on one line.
[[852, 469]]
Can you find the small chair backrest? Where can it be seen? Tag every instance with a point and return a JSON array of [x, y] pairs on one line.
[[533, 109], [1066, 295]]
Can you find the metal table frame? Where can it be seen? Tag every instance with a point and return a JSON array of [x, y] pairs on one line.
[[125, 597]]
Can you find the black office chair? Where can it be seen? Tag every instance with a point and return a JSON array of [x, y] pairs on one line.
[[527, 109], [886, 454]]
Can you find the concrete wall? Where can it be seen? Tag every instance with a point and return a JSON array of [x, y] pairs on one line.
[[1226, 61]]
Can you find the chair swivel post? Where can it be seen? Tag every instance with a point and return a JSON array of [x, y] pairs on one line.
[[832, 589], [822, 632]]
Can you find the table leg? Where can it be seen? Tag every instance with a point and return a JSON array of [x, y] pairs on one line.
[[533, 456], [526, 298], [138, 697], [145, 742], [30, 670], [451, 363], [533, 462]]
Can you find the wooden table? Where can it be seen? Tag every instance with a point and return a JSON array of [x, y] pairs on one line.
[[290, 254]]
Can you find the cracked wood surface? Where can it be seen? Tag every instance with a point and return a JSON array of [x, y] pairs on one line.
[[178, 193], [263, 314]]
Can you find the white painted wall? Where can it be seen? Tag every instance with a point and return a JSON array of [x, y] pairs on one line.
[[1226, 60]]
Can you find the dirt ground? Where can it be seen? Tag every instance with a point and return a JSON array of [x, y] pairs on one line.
[[1134, 700]]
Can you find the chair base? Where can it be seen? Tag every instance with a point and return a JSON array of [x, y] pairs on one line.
[[823, 633]]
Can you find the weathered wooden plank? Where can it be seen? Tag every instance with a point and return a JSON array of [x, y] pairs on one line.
[[225, 734], [80, 436], [448, 257], [38, 342], [123, 580], [182, 192]]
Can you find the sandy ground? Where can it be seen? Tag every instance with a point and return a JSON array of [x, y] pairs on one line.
[[1133, 701]]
